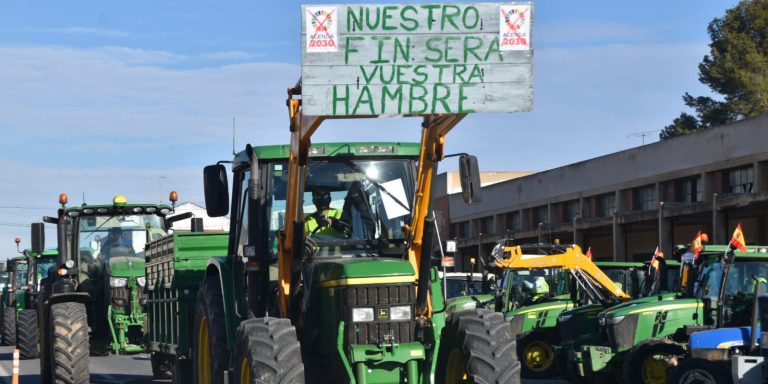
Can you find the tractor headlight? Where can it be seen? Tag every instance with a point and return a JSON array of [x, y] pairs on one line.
[[117, 282], [498, 251], [400, 313], [611, 320], [362, 314], [141, 281]]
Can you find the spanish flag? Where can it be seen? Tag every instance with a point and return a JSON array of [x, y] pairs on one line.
[[655, 259], [738, 241], [696, 246], [589, 253]]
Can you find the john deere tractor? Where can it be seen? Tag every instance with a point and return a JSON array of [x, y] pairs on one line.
[[327, 275], [17, 279], [640, 340], [92, 300], [27, 299]]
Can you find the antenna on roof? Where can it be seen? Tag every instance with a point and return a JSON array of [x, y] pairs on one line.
[[642, 134], [233, 137], [83, 198]]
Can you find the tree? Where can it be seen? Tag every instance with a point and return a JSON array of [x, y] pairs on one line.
[[736, 68]]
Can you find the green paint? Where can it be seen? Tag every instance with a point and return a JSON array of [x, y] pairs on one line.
[[336, 99], [380, 48], [386, 17], [434, 49], [449, 13], [493, 48], [471, 45], [348, 47], [419, 70], [412, 23], [403, 48], [470, 10], [397, 96], [462, 98], [442, 99], [365, 98], [414, 97]]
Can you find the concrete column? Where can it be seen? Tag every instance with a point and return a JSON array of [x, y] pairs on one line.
[[578, 234], [665, 232], [761, 177], [719, 223], [706, 185], [619, 239]]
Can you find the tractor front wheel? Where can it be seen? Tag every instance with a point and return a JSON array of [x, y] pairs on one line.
[[477, 346], [28, 336], [209, 344], [267, 351], [536, 353], [70, 349], [650, 361], [700, 371], [9, 325]]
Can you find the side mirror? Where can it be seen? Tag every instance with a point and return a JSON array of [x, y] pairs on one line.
[[216, 190], [469, 173], [38, 237], [182, 216]]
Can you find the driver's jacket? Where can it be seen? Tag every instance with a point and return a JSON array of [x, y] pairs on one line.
[[539, 286], [311, 223]]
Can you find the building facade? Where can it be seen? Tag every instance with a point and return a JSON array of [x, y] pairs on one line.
[[623, 205]]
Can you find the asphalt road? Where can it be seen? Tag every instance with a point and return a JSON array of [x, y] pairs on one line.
[[135, 369]]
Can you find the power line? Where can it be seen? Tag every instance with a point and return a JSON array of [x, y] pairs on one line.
[[5, 224]]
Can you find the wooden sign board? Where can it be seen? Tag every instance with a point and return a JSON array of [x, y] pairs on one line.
[[416, 59]]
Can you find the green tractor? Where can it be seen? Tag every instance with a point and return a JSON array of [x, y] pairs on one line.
[[95, 294], [27, 333], [639, 341], [17, 280]]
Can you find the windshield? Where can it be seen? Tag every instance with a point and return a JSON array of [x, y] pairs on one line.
[[351, 207], [528, 286], [458, 287], [102, 237], [21, 274], [44, 264]]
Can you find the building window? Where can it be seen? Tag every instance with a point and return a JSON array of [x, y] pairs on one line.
[[570, 210], [741, 180], [513, 221], [690, 190], [461, 230], [646, 198], [606, 204], [540, 215], [486, 225]]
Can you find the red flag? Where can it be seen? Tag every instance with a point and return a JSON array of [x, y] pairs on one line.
[[738, 241], [589, 253], [696, 246]]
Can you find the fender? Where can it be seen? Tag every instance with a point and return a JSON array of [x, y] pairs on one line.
[[77, 297], [218, 266]]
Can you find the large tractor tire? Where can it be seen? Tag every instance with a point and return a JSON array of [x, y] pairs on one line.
[[210, 356], [267, 351], [28, 337], [650, 361], [9, 326], [162, 365], [477, 346], [700, 371], [70, 349], [536, 353]]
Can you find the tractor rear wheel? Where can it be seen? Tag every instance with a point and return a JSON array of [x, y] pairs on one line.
[[9, 325], [650, 361], [477, 346], [700, 371], [162, 365], [536, 353], [70, 349], [28, 336], [210, 356], [267, 350]]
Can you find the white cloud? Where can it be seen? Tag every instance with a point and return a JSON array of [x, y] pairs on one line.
[[228, 55]]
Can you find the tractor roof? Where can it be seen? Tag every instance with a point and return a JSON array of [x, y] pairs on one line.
[[384, 149]]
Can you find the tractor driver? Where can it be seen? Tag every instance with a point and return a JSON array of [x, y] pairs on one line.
[[539, 286], [326, 220], [116, 243]]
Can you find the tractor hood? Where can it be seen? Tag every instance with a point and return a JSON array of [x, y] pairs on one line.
[[556, 303], [357, 271], [665, 302], [125, 266]]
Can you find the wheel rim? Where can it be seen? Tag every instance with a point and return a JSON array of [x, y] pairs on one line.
[[203, 353], [655, 369], [245, 371], [538, 356], [454, 371], [697, 376]]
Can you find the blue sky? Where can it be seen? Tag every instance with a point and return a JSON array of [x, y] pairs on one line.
[[99, 98]]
